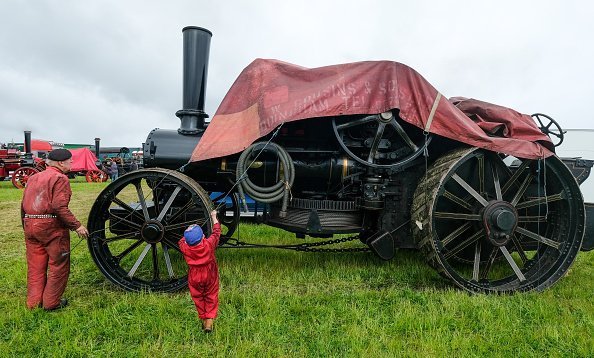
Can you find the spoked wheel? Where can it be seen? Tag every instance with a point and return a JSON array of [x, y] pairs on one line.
[[136, 223], [494, 226], [379, 140], [21, 176], [228, 214], [96, 176]]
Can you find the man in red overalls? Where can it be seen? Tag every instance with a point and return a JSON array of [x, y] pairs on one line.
[[203, 276], [46, 221]]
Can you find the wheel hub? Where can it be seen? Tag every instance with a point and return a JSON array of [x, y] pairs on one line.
[[385, 117], [500, 219], [152, 231]]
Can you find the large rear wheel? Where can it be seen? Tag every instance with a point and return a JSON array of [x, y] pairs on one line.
[[491, 224]]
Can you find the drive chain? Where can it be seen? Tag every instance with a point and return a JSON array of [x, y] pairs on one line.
[[305, 247]]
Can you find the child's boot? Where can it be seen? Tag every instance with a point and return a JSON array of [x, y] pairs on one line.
[[207, 325]]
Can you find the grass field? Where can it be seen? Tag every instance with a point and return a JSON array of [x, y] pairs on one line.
[[283, 303]]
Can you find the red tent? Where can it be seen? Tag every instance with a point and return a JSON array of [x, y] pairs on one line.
[[83, 159]]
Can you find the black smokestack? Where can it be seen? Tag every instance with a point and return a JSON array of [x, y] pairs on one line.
[[97, 141], [27, 143], [196, 50]]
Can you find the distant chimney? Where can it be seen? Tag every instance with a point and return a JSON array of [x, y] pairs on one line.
[[97, 141], [27, 144], [196, 51]]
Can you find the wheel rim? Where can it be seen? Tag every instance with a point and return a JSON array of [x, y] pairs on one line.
[[498, 227], [21, 176], [96, 176], [379, 140], [136, 223], [228, 214]]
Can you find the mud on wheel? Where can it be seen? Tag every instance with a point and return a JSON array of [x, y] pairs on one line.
[[498, 225], [135, 225]]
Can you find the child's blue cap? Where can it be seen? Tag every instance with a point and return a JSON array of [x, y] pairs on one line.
[[193, 235]]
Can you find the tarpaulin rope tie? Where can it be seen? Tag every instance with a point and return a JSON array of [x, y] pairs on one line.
[[73, 247], [181, 170], [432, 113], [544, 186]]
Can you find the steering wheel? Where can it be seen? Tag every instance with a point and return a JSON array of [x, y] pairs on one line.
[[546, 129], [379, 140]]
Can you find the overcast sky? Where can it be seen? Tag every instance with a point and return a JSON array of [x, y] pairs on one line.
[[71, 71]]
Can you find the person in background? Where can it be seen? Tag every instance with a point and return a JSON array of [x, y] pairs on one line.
[[113, 170], [46, 221], [203, 276], [133, 166]]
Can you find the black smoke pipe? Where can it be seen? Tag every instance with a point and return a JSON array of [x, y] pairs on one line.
[[196, 51], [97, 141], [27, 144]]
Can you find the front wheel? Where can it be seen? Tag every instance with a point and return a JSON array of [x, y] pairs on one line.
[[95, 176], [21, 176], [135, 225]]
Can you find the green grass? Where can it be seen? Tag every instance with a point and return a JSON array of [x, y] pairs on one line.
[[282, 303]]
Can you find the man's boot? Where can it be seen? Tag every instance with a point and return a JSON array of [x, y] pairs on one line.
[[63, 303]]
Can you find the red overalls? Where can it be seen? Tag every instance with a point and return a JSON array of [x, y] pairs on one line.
[[47, 238], [203, 276]]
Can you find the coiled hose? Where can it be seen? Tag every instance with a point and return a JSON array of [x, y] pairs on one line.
[[266, 194]]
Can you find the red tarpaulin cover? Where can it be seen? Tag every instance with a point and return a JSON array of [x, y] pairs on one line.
[[83, 159], [270, 92]]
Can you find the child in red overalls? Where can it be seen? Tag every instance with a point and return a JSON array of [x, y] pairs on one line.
[[203, 276]]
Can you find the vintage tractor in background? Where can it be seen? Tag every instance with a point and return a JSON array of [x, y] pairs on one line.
[[19, 167], [488, 221], [9, 162], [126, 159]]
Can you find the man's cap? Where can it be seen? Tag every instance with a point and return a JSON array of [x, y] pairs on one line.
[[59, 155], [193, 235]]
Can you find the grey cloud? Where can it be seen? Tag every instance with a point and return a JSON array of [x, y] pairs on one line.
[[71, 70]]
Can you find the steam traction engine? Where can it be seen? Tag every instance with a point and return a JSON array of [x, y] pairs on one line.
[[488, 221], [22, 166]]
